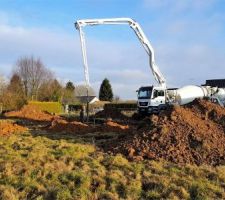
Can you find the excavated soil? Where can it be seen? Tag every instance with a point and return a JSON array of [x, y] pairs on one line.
[[192, 134], [60, 125], [30, 112], [111, 113], [110, 126], [8, 128], [74, 127]]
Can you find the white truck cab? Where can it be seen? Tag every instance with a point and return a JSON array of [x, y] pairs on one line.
[[151, 99]]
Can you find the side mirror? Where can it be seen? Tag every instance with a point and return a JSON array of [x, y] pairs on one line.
[[155, 94]]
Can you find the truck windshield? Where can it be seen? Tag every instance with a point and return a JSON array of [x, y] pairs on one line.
[[144, 93]]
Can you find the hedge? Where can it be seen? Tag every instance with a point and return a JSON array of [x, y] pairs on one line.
[[121, 106], [51, 107]]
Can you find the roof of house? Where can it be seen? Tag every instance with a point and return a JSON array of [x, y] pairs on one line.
[[84, 99], [216, 83]]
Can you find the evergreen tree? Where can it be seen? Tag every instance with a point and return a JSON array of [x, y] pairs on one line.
[[14, 96], [105, 92], [70, 86], [69, 93]]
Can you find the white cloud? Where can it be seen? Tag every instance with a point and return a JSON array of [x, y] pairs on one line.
[[178, 5], [191, 64]]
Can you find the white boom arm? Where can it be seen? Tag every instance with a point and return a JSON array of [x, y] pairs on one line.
[[138, 31]]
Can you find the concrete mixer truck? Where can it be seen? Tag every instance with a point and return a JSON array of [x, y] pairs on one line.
[[151, 99]]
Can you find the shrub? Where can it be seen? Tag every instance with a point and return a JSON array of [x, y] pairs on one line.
[[51, 107]]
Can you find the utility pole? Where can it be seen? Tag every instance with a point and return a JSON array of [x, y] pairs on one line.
[[1, 108], [87, 110]]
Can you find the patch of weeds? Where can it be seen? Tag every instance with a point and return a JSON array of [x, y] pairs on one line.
[[121, 190], [49, 176], [151, 195], [7, 192], [78, 182], [64, 178], [193, 171], [198, 191], [108, 196], [34, 174], [137, 169], [157, 167], [119, 162], [148, 185], [176, 192], [57, 153], [116, 182], [220, 171], [97, 184], [134, 188], [63, 194]]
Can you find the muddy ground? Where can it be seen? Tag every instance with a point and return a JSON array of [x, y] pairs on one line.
[[193, 134]]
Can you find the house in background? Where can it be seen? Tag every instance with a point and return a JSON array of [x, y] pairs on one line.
[[216, 83], [85, 99], [220, 83]]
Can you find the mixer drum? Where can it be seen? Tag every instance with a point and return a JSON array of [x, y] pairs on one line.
[[189, 93]]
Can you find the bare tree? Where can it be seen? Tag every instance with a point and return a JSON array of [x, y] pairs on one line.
[[2, 84], [32, 73], [81, 90], [50, 90], [2, 88]]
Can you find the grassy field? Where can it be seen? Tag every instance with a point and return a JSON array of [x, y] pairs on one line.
[[40, 165]]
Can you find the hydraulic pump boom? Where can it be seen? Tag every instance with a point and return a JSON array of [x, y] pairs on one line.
[[138, 31]]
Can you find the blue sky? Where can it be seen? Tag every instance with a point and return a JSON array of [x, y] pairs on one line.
[[188, 37]]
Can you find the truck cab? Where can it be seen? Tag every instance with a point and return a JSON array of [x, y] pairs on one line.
[[151, 99]]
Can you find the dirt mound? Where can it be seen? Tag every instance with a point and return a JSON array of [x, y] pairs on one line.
[[31, 112], [59, 125], [111, 126], [207, 110], [111, 113], [7, 128], [116, 125], [192, 134], [74, 127]]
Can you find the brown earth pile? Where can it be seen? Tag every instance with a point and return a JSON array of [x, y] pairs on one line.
[[111, 126], [59, 125], [116, 125], [74, 127], [31, 112], [7, 128], [111, 113], [192, 134]]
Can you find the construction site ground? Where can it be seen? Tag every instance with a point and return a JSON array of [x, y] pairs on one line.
[[127, 152]]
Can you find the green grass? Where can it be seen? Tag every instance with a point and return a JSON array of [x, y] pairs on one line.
[[41, 167]]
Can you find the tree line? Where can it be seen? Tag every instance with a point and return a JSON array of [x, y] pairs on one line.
[[31, 80]]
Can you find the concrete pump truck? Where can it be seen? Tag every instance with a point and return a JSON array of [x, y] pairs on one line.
[[151, 99]]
